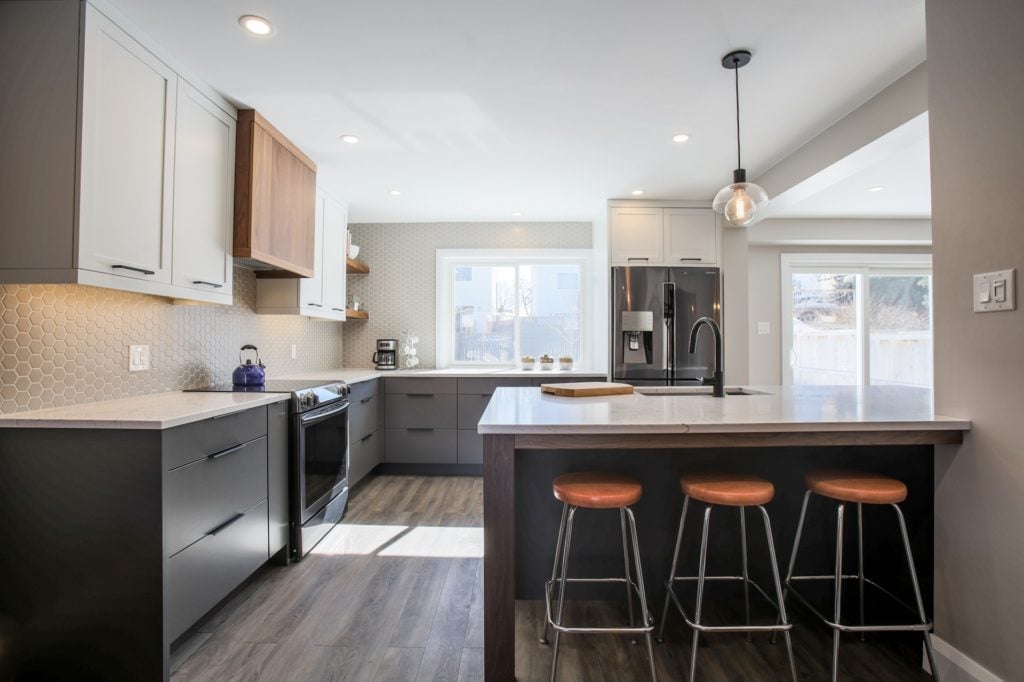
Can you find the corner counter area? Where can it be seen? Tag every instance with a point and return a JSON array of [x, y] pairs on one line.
[[778, 433]]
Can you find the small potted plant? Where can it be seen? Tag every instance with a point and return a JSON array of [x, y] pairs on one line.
[[546, 361], [527, 361], [565, 362]]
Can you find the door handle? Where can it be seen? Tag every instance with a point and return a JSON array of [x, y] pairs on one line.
[[133, 269], [208, 284]]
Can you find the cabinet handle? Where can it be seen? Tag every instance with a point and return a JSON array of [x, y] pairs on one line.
[[486, 395], [366, 438], [224, 526], [338, 310], [315, 305], [637, 258], [691, 260], [366, 400], [420, 395], [207, 284], [228, 451], [133, 269], [419, 429]]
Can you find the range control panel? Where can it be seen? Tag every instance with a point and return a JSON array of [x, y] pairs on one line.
[[995, 291]]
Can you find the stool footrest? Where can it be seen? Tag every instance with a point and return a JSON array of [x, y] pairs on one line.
[[895, 627], [778, 627], [624, 630]]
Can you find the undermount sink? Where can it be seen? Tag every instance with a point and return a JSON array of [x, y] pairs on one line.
[[696, 391]]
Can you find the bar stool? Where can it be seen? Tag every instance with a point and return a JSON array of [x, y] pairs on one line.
[[860, 488], [726, 490], [596, 490]]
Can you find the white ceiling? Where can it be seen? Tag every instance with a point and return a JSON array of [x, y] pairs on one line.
[[478, 109]]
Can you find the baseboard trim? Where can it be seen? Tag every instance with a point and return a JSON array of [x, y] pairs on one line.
[[956, 666]]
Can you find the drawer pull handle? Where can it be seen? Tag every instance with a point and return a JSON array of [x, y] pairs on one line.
[[420, 429], [420, 395], [366, 438], [208, 284], [632, 258], [315, 305], [228, 451], [366, 400], [486, 395], [129, 267], [224, 526], [338, 310], [691, 260]]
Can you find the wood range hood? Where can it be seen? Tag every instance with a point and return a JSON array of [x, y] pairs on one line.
[[275, 198]]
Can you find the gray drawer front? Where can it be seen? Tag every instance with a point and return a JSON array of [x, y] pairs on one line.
[[411, 446], [471, 447], [184, 444], [363, 389], [471, 408], [486, 386], [207, 571], [201, 495], [420, 411], [362, 416], [432, 385], [364, 454]]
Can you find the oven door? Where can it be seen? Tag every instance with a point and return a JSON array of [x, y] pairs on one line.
[[321, 440]]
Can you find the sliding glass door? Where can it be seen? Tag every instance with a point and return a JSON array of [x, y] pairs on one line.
[[857, 319]]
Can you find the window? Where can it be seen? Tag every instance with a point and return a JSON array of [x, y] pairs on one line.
[[494, 306], [857, 319]]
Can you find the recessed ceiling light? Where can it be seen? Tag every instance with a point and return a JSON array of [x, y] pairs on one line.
[[255, 24], [350, 139], [395, 192], [637, 192], [876, 188], [681, 137]]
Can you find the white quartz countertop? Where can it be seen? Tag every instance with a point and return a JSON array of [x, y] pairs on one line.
[[153, 411], [773, 409], [355, 375]]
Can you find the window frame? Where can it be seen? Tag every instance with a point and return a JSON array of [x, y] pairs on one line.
[[863, 264], [447, 259]]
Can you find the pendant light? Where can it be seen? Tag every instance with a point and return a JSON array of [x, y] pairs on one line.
[[741, 200]]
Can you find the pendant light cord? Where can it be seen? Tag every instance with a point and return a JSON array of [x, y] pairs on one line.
[[736, 68]]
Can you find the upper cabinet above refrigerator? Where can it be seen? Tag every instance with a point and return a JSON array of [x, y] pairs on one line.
[[642, 234]]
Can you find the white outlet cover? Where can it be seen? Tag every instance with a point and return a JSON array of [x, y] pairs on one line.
[[764, 328], [138, 358], [995, 291]]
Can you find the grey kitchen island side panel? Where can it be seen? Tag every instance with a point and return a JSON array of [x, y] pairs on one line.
[[206, 493], [82, 563], [277, 477], [420, 446]]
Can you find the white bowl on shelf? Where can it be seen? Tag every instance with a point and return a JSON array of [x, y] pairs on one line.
[[353, 251]]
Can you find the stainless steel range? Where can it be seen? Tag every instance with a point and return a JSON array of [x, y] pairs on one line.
[[318, 460]]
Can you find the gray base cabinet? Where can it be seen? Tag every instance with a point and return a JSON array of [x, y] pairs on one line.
[[117, 541], [364, 420]]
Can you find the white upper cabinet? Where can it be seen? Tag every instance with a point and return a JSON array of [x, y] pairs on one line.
[[636, 236], [311, 289], [128, 113], [334, 256], [690, 236], [204, 176], [652, 235]]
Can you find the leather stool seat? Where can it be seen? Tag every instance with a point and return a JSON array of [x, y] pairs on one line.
[[731, 490], [597, 490], [856, 486]]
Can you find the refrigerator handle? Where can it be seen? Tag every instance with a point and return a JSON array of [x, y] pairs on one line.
[[669, 313]]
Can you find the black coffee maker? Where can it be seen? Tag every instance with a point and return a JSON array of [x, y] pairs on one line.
[[386, 356]]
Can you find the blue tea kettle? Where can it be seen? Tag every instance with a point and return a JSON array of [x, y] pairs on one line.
[[248, 374]]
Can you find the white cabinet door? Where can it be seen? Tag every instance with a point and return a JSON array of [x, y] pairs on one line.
[[690, 236], [311, 289], [204, 174], [334, 275], [636, 236], [128, 108]]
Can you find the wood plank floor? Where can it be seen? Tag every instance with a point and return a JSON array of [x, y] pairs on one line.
[[395, 593]]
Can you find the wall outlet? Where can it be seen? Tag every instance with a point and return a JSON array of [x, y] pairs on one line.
[[995, 291], [764, 328], [138, 358], [294, 353]]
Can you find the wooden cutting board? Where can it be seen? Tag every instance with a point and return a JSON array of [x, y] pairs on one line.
[[586, 389]]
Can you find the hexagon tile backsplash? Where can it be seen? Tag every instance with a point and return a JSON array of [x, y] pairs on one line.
[[63, 344]]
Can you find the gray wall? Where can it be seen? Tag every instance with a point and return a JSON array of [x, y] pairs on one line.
[[976, 100], [64, 344], [399, 292]]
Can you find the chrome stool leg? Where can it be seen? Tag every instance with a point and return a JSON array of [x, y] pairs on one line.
[[838, 590], [644, 612], [672, 571], [745, 574], [554, 564], [917, 590], [700, 591], [561, 589], [778, 590], [629, 580], [860, 563], [792, 556]]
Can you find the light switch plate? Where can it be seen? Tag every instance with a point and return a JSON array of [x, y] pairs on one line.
[[138, 358], [995, 291], [764, 328]]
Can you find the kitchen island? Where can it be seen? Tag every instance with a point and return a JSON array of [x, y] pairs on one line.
[[775, 432]]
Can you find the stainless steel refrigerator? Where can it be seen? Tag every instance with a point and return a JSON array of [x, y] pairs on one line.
[[652, 312]]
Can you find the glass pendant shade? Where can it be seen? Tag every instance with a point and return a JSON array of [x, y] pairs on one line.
[[740, 202]]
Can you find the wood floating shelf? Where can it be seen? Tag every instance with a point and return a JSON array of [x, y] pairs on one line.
[[356, 314], [356, 267]]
